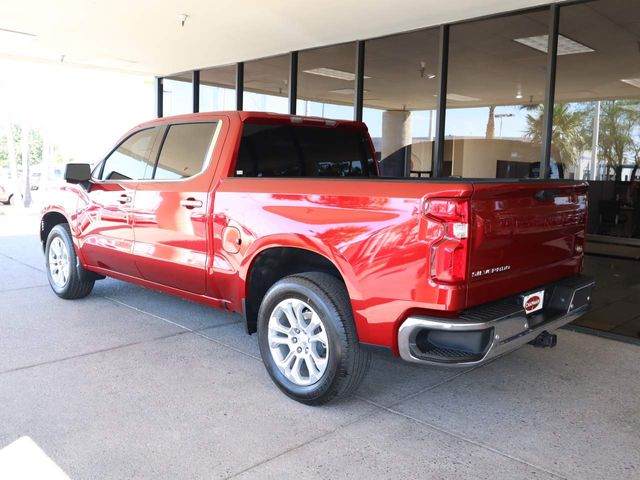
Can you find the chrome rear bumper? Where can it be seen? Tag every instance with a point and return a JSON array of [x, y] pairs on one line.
[[483, 333]]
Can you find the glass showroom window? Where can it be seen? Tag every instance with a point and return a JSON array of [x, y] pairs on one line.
[[217, 99], [326, 82], [176, 96], [596, 117], [495, 92], [266, 85], [400, 91], [217, 89]]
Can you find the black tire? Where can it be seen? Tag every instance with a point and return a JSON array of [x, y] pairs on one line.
[[75, 286], [347, 361]]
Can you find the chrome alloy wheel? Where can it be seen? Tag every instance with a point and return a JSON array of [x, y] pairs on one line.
[[59, 265], [298, 342]]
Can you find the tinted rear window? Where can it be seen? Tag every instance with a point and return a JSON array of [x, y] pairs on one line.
[[303, 151]]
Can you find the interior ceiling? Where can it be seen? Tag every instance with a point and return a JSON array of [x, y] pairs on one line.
[[146, 36], [485, 63]]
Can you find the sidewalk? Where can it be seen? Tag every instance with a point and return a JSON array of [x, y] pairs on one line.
[[130, 383]]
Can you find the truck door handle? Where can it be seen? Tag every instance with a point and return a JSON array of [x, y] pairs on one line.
[[191, 203], [124, 198]]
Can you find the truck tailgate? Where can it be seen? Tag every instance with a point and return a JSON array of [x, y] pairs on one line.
[[524, 235]]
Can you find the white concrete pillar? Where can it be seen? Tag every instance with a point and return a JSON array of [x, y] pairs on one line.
[[396, 131]]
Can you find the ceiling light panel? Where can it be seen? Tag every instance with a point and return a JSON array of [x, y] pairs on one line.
[[566, 46], [333, 73], [346, 91], [460, 98], [634, 82]]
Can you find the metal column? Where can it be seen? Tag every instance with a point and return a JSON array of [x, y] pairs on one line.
[[358, 101], [443, 68], [239, 85], [293, 82], [550, 90], [159, 96], [195, 85]]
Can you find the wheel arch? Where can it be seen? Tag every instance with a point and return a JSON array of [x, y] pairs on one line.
[[274, 263], [49, 220]]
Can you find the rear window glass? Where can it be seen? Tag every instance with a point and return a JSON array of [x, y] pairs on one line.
[[185, 150], [303, 151]]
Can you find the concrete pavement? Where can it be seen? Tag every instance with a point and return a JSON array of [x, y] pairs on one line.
[[130, 383]]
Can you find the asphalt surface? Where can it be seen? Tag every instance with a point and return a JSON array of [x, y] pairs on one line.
[[130, 383]]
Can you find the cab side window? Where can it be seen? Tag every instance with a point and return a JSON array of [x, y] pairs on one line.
[[131, 160], [185, 150]]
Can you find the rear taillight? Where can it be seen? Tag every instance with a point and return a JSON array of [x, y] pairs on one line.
[[448, 228]]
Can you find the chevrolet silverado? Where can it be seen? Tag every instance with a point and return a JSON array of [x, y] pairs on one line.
[[285, 220]]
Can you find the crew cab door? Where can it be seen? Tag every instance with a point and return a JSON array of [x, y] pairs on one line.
[[171, 226], [104, 214]]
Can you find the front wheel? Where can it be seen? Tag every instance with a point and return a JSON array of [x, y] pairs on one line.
[[62, 265], [308, 339]]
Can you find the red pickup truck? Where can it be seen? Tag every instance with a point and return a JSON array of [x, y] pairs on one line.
[[286, 220]]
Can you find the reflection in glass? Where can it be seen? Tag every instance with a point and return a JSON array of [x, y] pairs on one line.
[[266, 85], [217, 91], [400, 98], [176, 94], [596, 132], [496, 85], [326, 82], [217, 99]]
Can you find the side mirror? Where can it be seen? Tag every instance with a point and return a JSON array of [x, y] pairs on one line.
[[77, 172]]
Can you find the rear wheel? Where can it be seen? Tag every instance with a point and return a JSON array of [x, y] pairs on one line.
[[308, 339], [63, 270]]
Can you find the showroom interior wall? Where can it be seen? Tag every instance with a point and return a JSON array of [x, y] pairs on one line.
[[534, 93]]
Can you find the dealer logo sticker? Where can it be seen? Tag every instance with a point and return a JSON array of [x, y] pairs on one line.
[[533, 302]]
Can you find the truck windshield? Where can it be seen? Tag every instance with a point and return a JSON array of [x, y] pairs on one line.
[[277, 150]]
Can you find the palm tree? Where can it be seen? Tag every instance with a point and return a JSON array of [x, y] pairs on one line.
[[567, 134], [491, 123], [618, 140]]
